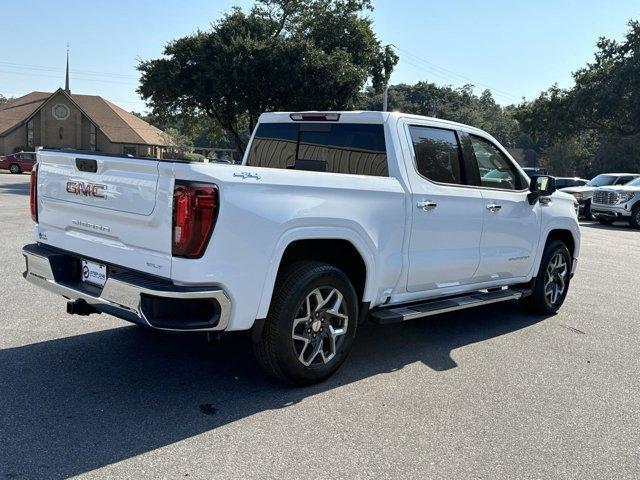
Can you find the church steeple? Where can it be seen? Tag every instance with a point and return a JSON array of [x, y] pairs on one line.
[[66, 78]]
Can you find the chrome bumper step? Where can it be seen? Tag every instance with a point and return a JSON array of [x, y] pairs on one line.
[[125, 293], [396, 314]]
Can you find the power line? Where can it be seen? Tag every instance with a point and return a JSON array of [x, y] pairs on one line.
[[80, 78], [25, 66], [450, 75]]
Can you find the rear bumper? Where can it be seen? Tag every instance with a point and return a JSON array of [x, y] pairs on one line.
[[129, 295]]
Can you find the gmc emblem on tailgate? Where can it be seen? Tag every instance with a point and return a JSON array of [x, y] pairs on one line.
[[86, 189]]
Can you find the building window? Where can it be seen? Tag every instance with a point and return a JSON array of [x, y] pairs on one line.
[[129, 150], [92, 137], [30, 133], [60, 111]]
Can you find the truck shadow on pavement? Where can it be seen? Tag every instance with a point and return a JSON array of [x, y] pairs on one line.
[[75, 404]]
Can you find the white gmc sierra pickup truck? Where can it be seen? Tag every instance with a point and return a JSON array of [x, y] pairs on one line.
[[331, 219]]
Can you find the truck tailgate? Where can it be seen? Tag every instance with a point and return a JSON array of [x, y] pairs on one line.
[[108, 208]]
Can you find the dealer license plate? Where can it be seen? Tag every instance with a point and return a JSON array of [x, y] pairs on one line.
[[94, 273]]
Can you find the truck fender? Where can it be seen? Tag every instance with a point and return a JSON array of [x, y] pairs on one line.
[[364, 246], [556, 224]]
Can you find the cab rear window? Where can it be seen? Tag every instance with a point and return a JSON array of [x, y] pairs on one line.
[[351, 148]]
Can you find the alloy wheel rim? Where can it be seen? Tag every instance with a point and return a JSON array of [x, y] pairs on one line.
[[14, 169], [555, 280], [320, 326]]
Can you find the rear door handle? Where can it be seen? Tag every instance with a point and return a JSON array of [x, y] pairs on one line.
[[494, 207], [427, 205]]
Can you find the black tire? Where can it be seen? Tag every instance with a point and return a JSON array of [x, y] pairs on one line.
[[635, 216], [587, 211], [606, 221], [15, 168], [538, 301], [276, 350]]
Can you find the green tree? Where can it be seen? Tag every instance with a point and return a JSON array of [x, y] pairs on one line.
[[449, 103], [4, 99], [281, 55], [598, 118], [180, 143], [571, 156], [606, 96]]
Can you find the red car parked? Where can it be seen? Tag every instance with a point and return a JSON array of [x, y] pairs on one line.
[[18, 162]]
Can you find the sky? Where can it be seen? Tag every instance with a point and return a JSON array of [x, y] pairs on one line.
[[516, 48]]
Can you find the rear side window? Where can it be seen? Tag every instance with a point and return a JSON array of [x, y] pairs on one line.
[[351, 148], [437, 153], [623, 180]]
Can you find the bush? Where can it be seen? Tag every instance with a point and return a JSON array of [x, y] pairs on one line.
[[192, 157]]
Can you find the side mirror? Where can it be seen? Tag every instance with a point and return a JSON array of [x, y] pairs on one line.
[[541, 186]]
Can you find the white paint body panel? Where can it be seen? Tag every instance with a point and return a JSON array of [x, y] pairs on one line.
[[409, 254]]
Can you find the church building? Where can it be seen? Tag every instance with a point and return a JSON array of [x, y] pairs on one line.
[[82, 122]]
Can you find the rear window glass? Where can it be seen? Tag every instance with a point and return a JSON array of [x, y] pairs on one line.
[[352, 148]]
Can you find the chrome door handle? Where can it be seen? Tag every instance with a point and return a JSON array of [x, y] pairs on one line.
[[427, 205], [494, 207]]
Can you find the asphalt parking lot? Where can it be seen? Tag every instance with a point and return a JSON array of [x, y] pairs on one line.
[[486, 393]]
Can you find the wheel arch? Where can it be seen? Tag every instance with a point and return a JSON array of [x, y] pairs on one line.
[[562, 233], [344, 248], [565, 236]]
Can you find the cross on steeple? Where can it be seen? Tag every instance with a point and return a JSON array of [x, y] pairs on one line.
[[66, 79]]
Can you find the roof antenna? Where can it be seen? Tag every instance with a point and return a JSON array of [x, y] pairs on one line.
[[66, 79]]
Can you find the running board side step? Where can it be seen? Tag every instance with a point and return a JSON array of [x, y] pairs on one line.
[[401, 313]]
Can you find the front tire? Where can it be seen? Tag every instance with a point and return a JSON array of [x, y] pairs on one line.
[[15, 168], [552, 282], [311, 324], [635, 216]]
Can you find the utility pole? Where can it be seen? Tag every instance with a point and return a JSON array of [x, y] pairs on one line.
[[385, 98], [385, 92]]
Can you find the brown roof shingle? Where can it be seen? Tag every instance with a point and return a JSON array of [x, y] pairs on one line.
[[117, 124], [15, 111]]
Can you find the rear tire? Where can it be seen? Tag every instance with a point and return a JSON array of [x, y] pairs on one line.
[[551, 285], [304, 341], [635, 216], [605, 221], [15, 168]]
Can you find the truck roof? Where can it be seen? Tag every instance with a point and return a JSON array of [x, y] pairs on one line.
[[361, 116]]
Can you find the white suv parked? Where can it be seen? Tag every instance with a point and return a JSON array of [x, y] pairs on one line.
[[620, 202], [584, 194]]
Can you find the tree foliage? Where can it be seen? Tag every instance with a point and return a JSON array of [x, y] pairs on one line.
[[281, 55], [449, 103], [594, 125], [606, 96], [4, 99]]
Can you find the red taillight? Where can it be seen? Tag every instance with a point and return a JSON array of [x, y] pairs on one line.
[[33, 194], [195, 207]]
